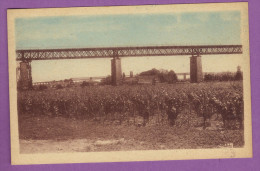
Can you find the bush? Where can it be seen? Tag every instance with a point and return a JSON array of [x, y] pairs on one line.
[[224, 76], [84, 83], [106, 81], [150, 72], [169, 77], [59, 86], [172, 77], [43, 87]]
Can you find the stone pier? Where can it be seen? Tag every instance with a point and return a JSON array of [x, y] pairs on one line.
[[25, 78], [116, 71], [196, 74]]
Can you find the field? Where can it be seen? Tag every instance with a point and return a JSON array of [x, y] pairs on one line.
[[140, 117]]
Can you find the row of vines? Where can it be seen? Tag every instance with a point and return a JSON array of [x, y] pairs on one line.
[[123, 103]]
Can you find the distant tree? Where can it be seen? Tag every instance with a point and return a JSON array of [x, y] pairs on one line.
[[162, 77], [150, 72], [107, 80], [207, 77], [239, 76], [224, 76], [172, 77], [84, 84]]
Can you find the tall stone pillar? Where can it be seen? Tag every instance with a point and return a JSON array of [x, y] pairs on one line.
[[116, 72], [25, 78], [196, 74]]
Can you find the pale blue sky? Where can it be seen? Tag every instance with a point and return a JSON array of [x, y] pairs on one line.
[[207, 28]]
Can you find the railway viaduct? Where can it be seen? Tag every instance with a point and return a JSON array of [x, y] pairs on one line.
[[25, 56]]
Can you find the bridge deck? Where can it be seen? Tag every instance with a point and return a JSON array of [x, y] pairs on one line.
[[77, 53]]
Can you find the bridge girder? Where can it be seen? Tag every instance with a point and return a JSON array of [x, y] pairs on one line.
[[78, 53]]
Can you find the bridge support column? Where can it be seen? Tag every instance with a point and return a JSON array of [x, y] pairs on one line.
[[116, 72], [25, 78], [196, 74]]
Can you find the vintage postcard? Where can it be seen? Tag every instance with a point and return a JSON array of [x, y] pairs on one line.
[[129, 83]]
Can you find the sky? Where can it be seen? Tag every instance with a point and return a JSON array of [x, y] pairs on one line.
[[197, 28]]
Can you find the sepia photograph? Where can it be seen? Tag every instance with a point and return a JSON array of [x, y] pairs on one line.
[[129, 83]]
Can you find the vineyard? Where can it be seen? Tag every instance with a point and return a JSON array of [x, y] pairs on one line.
[[175, 106], [137, 117]]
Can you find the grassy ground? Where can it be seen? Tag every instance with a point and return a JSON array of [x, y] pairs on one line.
[[45, 134]]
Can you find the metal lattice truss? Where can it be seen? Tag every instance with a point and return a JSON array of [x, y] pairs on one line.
[[49, 54]]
